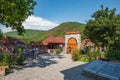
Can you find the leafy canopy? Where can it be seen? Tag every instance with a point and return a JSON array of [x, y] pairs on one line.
[[104, 28], [14, 12]]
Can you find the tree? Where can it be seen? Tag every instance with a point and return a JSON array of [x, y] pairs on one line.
[[117, 35], [14, 12], [104, 28], [1, 34]]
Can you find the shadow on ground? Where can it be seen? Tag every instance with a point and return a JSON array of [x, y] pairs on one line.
[[42, 61], [75, 73]]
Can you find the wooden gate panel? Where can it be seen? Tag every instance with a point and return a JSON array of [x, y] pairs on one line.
[[72, 45]]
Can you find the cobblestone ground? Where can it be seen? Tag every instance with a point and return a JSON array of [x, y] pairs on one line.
[[49, 67]]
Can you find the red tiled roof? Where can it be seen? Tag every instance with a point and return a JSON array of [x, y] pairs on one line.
[[60, 40], [52, 39], [77, 32]]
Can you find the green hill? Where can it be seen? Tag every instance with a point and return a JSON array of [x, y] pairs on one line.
[[60, 30], [28, 36]]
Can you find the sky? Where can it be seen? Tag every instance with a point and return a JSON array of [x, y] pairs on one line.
[[50, 13]]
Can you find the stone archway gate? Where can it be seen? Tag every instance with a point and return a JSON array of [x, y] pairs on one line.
[[72, 41]]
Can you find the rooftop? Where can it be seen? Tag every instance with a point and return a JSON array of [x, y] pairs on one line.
[[77, 32], [52, 39]]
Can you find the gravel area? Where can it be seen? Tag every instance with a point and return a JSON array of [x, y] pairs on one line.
[[49, 67]]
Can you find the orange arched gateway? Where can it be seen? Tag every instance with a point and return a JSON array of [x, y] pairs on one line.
[[71, 45]]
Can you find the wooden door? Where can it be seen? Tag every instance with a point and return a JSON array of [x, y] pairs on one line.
[[72, 45]]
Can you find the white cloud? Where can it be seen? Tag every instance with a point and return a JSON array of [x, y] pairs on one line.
[[4, 29], [34, 22]]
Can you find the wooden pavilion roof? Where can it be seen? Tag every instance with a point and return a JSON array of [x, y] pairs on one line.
[[51, 39]]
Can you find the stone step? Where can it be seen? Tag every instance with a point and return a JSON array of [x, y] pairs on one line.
[[103, 70]]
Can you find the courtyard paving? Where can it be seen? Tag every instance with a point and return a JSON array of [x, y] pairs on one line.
[[49, 67]]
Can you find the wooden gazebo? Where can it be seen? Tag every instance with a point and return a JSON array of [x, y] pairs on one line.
[[53, 43]]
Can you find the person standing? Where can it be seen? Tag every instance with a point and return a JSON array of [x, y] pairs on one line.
[[36, 51]]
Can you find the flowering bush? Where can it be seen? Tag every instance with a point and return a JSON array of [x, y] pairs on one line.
[[76, 55], [88, 57]]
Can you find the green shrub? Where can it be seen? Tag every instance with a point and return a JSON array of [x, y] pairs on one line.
[[113, 54], [84, 59], [76, 58], [97, 54], [76, 55], [8, 60], [58, 51], [89, 57], [20, 59], [13, 61], [4, 59]]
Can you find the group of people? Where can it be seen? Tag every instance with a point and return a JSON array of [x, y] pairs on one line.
[[30, 52]]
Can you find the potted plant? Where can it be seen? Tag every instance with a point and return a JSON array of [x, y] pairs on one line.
[[2, 70], [4, 63]]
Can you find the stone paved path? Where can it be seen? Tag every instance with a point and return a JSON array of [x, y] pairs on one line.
[[49, 67]]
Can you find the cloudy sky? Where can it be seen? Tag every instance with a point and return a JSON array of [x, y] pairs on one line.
[[50, 13], [34, 22]]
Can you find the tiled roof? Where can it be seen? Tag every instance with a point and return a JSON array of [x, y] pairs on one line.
[[52, 39], [77, 32], [60, 40]]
